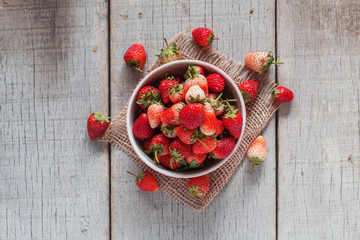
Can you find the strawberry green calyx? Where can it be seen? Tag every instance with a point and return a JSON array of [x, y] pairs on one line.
[[194, 191], [134, 64], [176, 156], [246, 96], [231, 112], [197, 99], [176, 89], [169, 51], [211, 38], [101, 118], [157, 150], [255, 161], [139, 177], [275, 92], [192, 72], [169, 129], [149, 98], [269, 60]]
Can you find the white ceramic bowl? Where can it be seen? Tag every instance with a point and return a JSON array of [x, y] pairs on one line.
[[231, 91]]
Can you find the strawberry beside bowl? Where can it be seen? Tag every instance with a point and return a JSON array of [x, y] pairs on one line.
[[231, 91]]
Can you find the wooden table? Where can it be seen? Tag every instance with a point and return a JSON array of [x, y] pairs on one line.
[[62, 60]]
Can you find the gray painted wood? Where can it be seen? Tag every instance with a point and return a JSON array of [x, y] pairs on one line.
[[245, 208], [54, 179], [319, 147]]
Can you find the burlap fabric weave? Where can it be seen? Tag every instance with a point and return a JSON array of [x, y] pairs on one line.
[[258, 114]]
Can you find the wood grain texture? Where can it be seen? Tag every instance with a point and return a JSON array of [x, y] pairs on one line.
[[245, 209], [319, 146], [54, 179]]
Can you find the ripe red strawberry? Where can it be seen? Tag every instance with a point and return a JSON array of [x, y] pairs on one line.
[[203, 36], [249, 90], [224, 147], [159, 146], [141, 127], [260, 61], [186, 136], [204, 145], [282, 94], [135, 56], [179, 151], [195, 68], [208, 126], [232, 121], [219, 126], [215, 82], [147, 96], [169, 54], [195, 160], [192, 115], [146, 181], [195, 95], [147, 145], [168, 130], [154, 113], [176, 93], [257, 151], [216, 103], [97, 124], [171, 115], [193, 77], [165, 87], [199, 186], [166, 162]]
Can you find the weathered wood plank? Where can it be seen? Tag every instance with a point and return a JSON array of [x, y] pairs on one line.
[[54, 180], [319, 148], [245, 209]]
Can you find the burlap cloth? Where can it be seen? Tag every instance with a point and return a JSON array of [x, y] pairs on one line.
[[258, 114]]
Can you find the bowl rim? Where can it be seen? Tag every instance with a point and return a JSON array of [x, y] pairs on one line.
[[171, 173]]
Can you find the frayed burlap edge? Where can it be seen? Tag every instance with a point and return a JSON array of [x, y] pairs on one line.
[[258, 114]]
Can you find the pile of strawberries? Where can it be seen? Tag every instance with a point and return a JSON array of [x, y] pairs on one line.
[[183, 122]]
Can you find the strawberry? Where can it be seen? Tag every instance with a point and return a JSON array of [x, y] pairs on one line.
[[168, 130], [97, 124], [219, 127], [216, 103], [141, 127], [169, 54], [195, 95], [192, 115], [257, 151], [179, 151], [249, 90], [175, 77], [176, 93], [224, 148], [232, 121], [195, 160], [260, 61], [216, 83], [203, 36], [282, 94], [208, 126], [194, 77], [204, 146], [186, 136], [171, 115], [146, 181], [196, 68], [154, 113], [164, 89], [199, 186], [159, 146], [147, 96], [135, 56], [147, 145], [166, 162]]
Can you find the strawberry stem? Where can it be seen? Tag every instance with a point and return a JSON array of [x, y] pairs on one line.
[[203, 144], [167, 45], [156, 158], [131, 173], [277, 63], [218, 97], [252, 167]]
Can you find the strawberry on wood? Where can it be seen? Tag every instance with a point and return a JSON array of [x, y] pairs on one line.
[[97, 124], [135, 56]]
